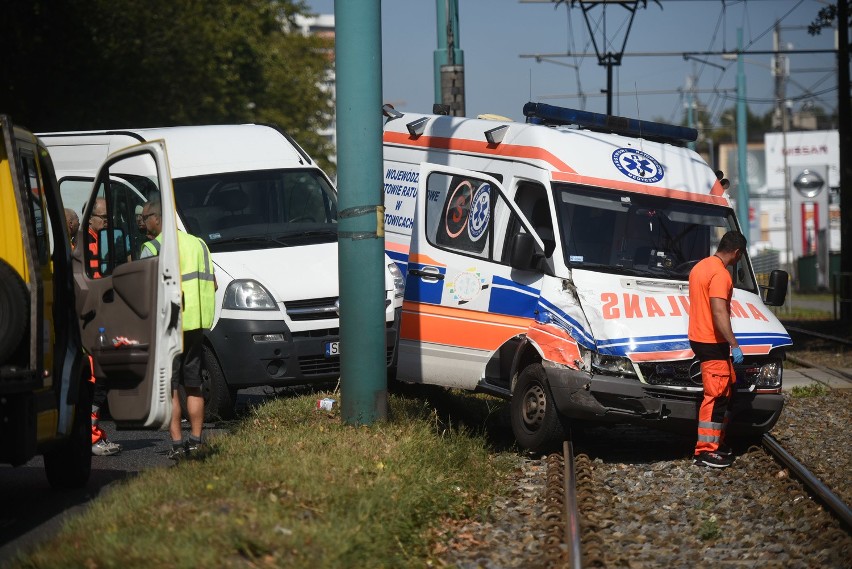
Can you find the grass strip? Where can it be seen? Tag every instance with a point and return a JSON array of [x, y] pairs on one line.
[[293, 487]]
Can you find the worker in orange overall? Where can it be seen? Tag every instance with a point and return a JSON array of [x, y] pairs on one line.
[[712, 339], [101, 445]]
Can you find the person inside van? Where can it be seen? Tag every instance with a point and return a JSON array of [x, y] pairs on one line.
[[141, 235], [73, 224], [101, 445], [98, 221]]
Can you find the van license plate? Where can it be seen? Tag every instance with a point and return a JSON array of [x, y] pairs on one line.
[[332, 349]]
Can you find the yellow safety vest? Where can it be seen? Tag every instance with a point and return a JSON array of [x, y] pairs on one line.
[[197, 282]]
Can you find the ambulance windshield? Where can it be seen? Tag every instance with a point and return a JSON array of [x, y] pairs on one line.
[[643, 235]]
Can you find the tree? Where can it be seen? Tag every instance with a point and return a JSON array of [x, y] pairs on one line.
[[825, 19], [89, 64]]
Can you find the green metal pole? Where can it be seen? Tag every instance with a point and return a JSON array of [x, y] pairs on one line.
[[690, 116], [358, 53], [742, 142], [445, 9]]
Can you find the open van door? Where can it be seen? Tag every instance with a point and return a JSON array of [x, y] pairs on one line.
[[135, 301]]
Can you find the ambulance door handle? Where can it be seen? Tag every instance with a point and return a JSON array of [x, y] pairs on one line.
[[426, 274]]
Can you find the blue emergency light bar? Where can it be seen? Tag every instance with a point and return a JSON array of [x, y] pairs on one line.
[[540, 113]]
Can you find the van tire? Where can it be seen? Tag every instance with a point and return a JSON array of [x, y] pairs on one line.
[[535, 420], [69, 464], [219, 399], [14, 310]]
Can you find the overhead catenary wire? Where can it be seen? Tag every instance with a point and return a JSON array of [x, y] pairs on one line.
[[716, 98]]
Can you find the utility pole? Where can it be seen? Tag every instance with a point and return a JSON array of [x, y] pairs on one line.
[[780, 71], [360, 235], [844, 114], [742, 143], [449, 59], [690, 107]]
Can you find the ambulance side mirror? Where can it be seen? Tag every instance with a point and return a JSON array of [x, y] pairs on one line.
[[522, 255], [776, 291]]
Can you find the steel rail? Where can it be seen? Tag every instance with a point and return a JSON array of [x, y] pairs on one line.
[[814, 484], [572, 525], [819, 335]]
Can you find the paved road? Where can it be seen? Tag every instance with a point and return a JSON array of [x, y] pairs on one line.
[[30, 512]]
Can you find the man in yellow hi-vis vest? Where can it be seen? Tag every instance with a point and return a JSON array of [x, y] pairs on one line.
[[198, 285]]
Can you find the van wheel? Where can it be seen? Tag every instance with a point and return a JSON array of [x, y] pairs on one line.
[[219, 399], [535, 420], [69, 464], [14, 309]]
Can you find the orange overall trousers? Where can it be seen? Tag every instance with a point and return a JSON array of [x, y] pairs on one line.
[[718, 377]]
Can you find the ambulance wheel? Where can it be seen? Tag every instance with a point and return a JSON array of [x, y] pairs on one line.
[[69, 464], [535, 419], [219, 399], [14, 308]]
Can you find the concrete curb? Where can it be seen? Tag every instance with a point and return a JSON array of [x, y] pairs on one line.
[[804, 377]]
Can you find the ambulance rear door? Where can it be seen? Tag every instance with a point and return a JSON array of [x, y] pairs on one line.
[[463, 300], [135, 301]]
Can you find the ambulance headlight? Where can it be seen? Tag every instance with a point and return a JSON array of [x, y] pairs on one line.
[[248, 295], [613, 365], [765, 376], [398, 281]]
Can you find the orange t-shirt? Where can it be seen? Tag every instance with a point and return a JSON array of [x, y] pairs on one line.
[[708, 279]]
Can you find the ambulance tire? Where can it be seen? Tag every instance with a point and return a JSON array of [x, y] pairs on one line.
[[69, 464], [14, 309], [535, 420], [219, 398]]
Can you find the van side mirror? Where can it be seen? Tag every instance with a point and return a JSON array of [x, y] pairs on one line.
[[776, 291], [521, 256]]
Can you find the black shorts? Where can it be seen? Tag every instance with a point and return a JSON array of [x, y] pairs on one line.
[[186, 370]]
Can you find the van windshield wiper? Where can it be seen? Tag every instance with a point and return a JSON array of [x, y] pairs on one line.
[[308, 233], [259, 239]]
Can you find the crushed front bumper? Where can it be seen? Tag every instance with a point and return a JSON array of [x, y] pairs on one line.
[[603, 398]]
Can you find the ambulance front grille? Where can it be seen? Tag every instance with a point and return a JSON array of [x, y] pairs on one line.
[[674, 373]]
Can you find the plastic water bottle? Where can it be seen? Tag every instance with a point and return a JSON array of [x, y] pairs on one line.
[[102, 338]]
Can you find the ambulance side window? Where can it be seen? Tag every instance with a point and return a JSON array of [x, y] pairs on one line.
[[461, 212]]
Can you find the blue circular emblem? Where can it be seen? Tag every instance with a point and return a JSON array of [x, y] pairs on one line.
[[637, 165], [480, 212]]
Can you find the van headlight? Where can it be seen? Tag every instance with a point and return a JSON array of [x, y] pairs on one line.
[[398, 281], [248, 295], [613, 365]]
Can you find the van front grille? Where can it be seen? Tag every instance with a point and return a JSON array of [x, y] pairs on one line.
[[321, 365], [313, 309]]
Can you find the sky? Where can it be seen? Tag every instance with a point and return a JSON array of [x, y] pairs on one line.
[[496, 35]]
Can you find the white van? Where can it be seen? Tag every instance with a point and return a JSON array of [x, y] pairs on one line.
[[547, 262], [268, 214]]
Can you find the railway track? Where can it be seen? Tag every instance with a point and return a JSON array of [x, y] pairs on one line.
[[810, 347], [610, 507]]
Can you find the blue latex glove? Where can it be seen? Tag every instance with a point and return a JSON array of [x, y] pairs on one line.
[[737, 354]]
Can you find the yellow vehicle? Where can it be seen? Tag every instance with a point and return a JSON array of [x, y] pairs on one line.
[[45, 393]]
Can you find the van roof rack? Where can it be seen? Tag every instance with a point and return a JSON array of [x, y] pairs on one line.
[[540, 113]]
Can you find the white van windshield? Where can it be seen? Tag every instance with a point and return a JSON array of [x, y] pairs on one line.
[[237, 211], [636, 234]]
